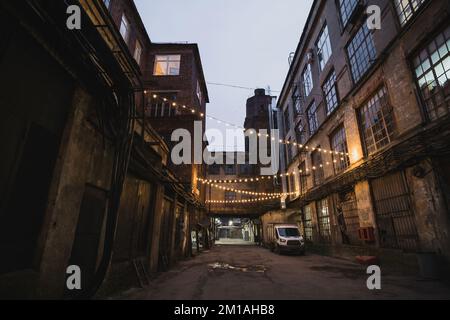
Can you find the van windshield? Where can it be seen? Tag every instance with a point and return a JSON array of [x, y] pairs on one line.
[[288, 232]]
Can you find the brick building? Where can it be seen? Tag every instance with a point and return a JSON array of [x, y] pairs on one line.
[[379, 101], [86, 179]]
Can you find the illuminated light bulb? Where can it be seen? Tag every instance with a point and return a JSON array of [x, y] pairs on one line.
[[193, 110], [155, 96], [202, 115], [174, 104], [165, 100]]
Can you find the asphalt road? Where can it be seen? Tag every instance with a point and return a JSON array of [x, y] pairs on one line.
[[254, 273]]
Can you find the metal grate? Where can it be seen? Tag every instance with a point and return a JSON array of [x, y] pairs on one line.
[[323, 216], [351, 218], [395, 218]]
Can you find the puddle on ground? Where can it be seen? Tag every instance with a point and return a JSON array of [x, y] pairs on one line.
[[240, 268]]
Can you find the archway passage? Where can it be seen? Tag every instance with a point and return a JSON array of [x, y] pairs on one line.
[[241, 231]]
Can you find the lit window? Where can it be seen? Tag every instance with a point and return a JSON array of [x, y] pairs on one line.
[[407, 8], [125, 28], [324, 47], [432, 69], [361, 52], [330, 91], [167, 65], [307, 80], [377, 122], [138, 52], [318, 174], [347, 7], [339, 144], [313, 119], [307, 223], [323, 215]]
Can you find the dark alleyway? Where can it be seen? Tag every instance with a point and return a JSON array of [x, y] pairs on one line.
[[252, 273]]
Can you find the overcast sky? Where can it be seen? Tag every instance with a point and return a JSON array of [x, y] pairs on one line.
[[242, 42]]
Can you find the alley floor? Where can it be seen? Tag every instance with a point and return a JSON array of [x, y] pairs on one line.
[[254, 273]]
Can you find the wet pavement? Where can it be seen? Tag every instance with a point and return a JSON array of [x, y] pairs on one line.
[[254, 273]]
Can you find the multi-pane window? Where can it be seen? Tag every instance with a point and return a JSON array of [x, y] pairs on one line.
[[230, 196], [339, 145], [330, 92], [162, 107], [432, 69], [324, 47], [377, 122], [167, 65], [303, 178], [407, 8], [307, 80], [292, 184], [361, 52], [346, 7], [297, 99], [138, 52], [307, 223], [301, 132], [125, 28], [317, 168], [230, 169], [287, 119], [323, 217], [313, 119]]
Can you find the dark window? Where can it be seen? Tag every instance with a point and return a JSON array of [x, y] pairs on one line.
[[307, 223], [313, 119], [318, 174], [303, 178], [330, 91], [432, 69], [377, 122], [407, 8], [157, 108], [230, 169], [339, 146], [323, 45], [346, 7], [301, 133], [297, 99], [214, 169], [230, 196], [287, 119], [307, 80], [361, 52], [289, 152], [245, 169], [323, 216]]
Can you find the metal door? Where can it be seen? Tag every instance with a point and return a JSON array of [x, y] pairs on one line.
[[395, 217]]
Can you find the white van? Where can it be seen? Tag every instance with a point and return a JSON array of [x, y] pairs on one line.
[[282, 238]]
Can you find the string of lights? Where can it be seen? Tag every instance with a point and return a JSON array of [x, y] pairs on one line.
[[262, 179], [246, 192], [194, 111], [242, 200]]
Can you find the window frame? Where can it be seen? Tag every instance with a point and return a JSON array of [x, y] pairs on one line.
[[343, 160], [316, 118], [326, 92], [318, 172], [307, 80], [125, 27], [138, 48], [167, 62], [401, 12], [326, 43]]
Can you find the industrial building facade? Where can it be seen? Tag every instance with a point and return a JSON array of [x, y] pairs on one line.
[[86, 177], [365, 113]]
